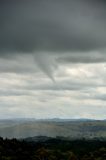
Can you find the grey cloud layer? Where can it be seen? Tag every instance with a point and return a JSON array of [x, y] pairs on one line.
[[70, 25], [78, 92], [88, 57]]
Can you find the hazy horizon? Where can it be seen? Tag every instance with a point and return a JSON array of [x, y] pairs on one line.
[[56, 119]]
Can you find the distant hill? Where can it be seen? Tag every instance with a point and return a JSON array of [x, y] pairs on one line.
[[71, 129]]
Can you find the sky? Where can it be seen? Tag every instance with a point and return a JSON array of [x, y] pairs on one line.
[[53, 59]]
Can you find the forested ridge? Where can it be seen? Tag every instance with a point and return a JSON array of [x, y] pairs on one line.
[[52, 149]]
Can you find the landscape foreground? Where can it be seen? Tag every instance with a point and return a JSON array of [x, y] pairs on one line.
[[52, 149], [54, 139]]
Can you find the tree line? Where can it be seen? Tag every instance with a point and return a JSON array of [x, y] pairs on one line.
[[52, 149]]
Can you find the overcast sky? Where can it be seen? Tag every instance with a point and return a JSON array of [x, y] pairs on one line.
[[53, 59]]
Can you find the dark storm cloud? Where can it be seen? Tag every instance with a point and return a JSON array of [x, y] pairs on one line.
[[82, 58], [52, 25], [23, 64]]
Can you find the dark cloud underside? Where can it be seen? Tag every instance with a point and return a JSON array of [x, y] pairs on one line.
[[52, 25]]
